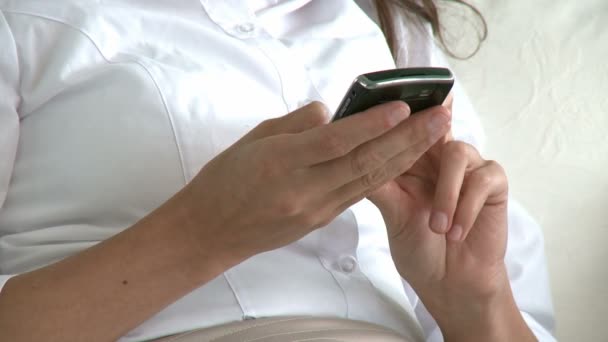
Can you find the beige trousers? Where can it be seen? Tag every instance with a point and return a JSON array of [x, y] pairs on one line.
[[286, 329]]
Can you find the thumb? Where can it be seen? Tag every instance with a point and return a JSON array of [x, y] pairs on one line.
[[312, 115]]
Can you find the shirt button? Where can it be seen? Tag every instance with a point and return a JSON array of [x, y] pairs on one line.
[[245, 28], [347, 263]]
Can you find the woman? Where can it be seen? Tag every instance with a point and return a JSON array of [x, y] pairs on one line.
[[111, 108]]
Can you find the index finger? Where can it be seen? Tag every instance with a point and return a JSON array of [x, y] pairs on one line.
[[338, 138]]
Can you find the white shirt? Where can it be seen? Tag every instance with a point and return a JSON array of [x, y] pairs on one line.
[[108, 108]]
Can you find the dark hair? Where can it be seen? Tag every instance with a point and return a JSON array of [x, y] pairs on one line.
[[428, 11]]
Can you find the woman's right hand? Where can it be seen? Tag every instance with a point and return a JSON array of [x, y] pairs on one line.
[[293, 174]]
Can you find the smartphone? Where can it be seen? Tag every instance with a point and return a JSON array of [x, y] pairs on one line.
[[420, 88]]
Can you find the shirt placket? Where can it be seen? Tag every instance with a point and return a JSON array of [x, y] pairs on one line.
[[239, 21], [336, 243]]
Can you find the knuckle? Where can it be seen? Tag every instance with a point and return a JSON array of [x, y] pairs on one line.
[[383, 125], [498, 171], [333, 145], [451, 197], [374, 178], [400, 106], [484, 179], [417, 135], [387, 123], [362, 162], [267, 124], [377, 177], [288, 207], [495, 167], [318, 109], [414, 151], [458, 148], [404, 163], [317, 118]]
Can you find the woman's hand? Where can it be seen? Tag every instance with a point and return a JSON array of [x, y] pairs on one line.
[[447, 223], [296, 173]]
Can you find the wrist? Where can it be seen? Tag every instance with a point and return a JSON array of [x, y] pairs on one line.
[[191, 229], [494, 317]]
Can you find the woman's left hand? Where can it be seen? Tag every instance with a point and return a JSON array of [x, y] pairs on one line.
[[447, 225]]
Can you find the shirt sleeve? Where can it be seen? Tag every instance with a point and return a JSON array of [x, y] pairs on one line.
[[9, 119], [527, 267]]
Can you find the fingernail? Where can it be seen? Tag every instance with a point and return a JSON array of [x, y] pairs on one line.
[[437, 122], [399, 115], [455, 234], [439, 222]]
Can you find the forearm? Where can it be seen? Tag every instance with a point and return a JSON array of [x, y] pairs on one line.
[[496, 318], [109, 289]]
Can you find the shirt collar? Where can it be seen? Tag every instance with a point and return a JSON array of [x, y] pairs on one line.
[[238, 17]]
